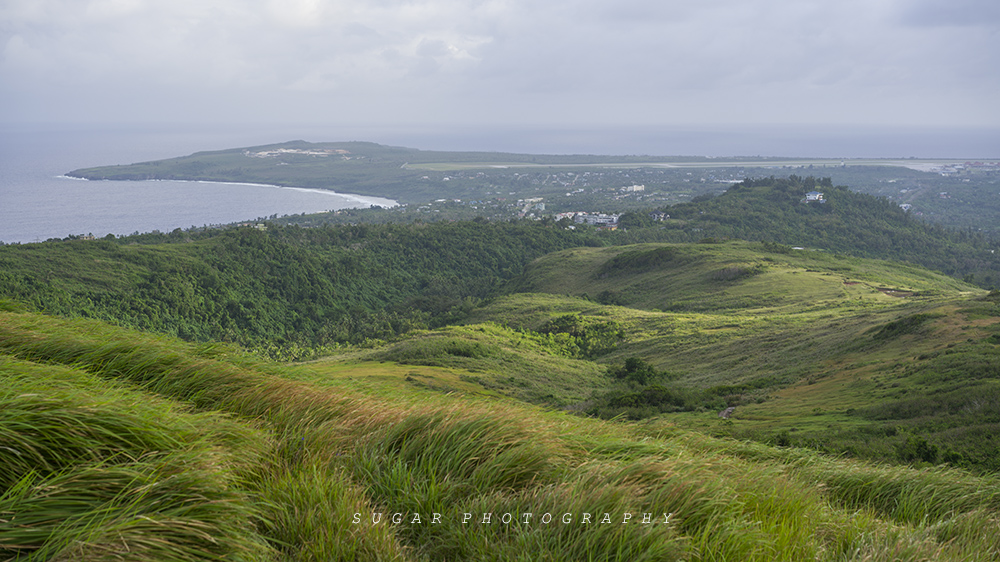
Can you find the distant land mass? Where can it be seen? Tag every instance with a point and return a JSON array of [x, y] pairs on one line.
[[368, 168], [439, 185], [363, 168]]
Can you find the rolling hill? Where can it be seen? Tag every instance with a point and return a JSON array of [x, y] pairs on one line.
[[659, 392], [121, 444]]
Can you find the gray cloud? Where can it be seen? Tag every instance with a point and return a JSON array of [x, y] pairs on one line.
[[933, 13], [642, 61]]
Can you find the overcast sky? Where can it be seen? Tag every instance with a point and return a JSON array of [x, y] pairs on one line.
[[537, 62]]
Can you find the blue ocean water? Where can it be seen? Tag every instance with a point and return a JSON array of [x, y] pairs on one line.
[[37, 202]]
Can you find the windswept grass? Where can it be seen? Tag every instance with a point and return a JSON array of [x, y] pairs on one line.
[[92, 470], [276, 468], [530, 366]]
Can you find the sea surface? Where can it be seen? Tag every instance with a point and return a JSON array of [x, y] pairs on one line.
[[38, 202]]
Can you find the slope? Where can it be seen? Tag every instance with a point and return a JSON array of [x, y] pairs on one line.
[[286, 289], [312, 470], [868, 358], [776, 210]]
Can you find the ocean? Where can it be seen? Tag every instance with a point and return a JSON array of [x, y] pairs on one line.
[[38, 202]]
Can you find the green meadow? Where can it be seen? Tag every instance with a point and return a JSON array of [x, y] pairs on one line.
[[123, 445]]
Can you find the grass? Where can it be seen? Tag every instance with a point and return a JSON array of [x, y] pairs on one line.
[[733, 275], [525, 365], [840, 362], [93, 469], [279, 462]]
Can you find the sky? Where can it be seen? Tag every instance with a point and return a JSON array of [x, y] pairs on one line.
[[922, 63]]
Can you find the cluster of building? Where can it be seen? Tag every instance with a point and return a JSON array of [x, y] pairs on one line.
[[599, 220], [955, 169]]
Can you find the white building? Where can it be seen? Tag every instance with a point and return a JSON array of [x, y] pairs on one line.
[[599, 220]]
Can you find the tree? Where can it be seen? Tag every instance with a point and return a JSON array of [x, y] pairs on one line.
[[635, 369]]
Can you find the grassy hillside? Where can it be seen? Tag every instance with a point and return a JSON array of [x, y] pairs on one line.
[[729, 324], [462, 410], [121, 444], [867, 358], [775, 210], [290, 290], [725, 276]]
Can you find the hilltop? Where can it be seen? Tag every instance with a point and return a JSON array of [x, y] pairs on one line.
[[776, 210]]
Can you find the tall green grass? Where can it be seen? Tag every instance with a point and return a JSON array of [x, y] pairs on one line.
[[92, 471], [271, 468]]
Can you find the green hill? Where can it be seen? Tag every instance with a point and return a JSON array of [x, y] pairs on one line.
[[842, 354], [776, 210], [504, 390], [721, 276], [466, 368], [118, 444], [603, 329]]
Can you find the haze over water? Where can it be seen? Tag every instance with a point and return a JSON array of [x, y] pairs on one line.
[[37, 203]]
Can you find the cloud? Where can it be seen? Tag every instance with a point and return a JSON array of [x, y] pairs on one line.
[[610, 60], [936, 13]]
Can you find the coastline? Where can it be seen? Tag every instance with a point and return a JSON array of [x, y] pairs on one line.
[[41, 207], [372, 199]]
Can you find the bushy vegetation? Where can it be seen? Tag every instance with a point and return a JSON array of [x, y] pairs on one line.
[[286, 289], [638, 390], [289, 291]]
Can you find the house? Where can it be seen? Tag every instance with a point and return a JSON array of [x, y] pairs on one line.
[[814, 196]]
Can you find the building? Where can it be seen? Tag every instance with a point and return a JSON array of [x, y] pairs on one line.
[[599, 220], [814, 196]]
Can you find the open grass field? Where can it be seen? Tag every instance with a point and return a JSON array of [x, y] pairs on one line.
[[125, 445]]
